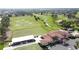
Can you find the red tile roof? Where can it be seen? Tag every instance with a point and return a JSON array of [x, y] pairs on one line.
[[48, 38]]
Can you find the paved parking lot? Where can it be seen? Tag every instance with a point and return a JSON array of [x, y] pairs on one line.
[[70, 47]]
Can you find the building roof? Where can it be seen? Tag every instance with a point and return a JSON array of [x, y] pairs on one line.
[[49, 37], [46, 39]]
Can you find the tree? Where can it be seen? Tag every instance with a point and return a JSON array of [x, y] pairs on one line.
[[66, 24], [5, 22]]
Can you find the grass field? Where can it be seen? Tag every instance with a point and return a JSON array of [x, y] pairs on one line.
[[1, 46], [27, 25], [30, 47]]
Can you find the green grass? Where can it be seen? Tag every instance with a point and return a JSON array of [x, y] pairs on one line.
[[29, 47], [1, 46], [51, 21], [62, 17], [25, 25]]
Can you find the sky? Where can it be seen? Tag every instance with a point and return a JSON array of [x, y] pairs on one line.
[[39, 3]]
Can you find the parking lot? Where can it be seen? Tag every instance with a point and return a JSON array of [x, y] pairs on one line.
[[71, 43]]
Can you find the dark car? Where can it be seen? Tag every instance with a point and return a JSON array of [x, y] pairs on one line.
[[23, 42], [16, 43], [30, 40]]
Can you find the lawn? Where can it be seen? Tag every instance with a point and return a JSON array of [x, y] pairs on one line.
[[1, 46], [51, 21], [27, 25]]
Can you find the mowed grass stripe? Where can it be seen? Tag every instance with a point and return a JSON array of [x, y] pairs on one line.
[[28, 29]]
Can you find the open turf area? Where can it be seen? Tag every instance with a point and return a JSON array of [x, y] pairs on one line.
[[27, 25], [29, 47], [1, 46]]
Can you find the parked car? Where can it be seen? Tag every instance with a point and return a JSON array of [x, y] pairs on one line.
[[23, 42]]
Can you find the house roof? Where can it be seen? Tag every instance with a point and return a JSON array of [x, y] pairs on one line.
[[46, 39], [49, 37]]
